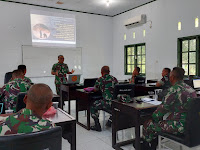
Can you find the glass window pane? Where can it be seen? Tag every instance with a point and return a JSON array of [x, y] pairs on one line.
[[143, 68], [193, 45], [184, 58], [185, 46], [129, 51], [133, 50], [129, 68], [130, 60], [185, 67], [192, 69], [192, 57], [143, 49], [143, 59], [139, 60], [139, 48]]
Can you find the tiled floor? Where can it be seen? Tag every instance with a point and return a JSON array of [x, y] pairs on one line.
[[92, 140]]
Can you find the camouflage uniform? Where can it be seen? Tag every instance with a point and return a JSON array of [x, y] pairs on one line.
[[27, 80], [132, 80], [24, 121], [9, 92], [165, 82], [106, 85], [176, 104], [61, 78]]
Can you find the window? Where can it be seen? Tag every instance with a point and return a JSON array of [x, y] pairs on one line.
[[188, 54], [135, 56]]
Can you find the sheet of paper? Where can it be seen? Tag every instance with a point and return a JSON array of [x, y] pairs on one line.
[[147, 99], [155, 102]]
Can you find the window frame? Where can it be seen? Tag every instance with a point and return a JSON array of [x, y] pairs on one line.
[[135, 60], [179, 52]]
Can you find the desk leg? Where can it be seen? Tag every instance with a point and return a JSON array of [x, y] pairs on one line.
[[88, 117], [114, 132], [69, 105], [73, 144], [137, 132], [77, 109]]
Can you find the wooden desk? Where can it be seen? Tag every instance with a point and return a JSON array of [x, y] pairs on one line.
[[83, 102], [68, 124], [68, 92], [127, 115]]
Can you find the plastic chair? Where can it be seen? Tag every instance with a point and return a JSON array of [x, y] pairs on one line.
[[50, 139], [20, 101], [191, 137], [7, 77]]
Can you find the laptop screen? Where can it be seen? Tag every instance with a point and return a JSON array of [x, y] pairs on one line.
[[196, 83], [73, 78]]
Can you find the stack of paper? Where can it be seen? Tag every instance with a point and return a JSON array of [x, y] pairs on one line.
[[151, 101]]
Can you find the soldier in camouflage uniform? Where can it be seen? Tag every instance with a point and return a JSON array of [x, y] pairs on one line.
[[106, 85], [38, 100], [9, 92], [164, 82], [60, 70], [23, 69], [136, 72], [176, 104]]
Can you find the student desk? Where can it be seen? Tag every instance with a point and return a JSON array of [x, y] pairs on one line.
[[68, 124], [68, 92], [127, 115], [83, 102]]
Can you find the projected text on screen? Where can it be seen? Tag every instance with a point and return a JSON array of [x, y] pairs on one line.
[[53, 30]]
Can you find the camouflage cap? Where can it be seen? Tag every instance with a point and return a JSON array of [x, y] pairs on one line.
[[124, 98]]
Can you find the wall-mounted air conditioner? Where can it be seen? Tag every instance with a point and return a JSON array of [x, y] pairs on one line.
[[141, 19]]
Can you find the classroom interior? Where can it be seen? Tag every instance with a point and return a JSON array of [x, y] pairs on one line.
[[102, 40]]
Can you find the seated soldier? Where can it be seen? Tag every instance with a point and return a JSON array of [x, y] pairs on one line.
[[175, 104], [9, 92], [136, 72], [38, 100], [164, 82], [106, 85], [23, 69]]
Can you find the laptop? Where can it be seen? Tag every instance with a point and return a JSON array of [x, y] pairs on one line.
[[73, 79], [196, 84]]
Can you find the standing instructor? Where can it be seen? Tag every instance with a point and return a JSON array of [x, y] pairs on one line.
[[60, 70]]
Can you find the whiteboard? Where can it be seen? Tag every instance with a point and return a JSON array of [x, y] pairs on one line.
[[39, 60]]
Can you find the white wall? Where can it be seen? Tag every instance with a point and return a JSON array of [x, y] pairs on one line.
[[94, 35], [161, 40]]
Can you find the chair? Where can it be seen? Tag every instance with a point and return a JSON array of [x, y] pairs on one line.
[[140, 80], [191, 137], [120, 89], [124, 89], [7, 77], [50, 139], [20, 101]]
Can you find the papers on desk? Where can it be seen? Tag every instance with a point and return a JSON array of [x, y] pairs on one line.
[[152, 84], [151, 101]]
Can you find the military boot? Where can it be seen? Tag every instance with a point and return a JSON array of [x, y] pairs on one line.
[[97, 126], [109, 122]]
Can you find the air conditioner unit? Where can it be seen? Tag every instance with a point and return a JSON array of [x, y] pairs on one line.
[[135, 20]]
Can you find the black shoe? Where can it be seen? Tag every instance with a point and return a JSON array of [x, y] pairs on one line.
[[109, 123], [97, 126]]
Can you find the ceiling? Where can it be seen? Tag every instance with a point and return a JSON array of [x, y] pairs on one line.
[[89, 6]]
